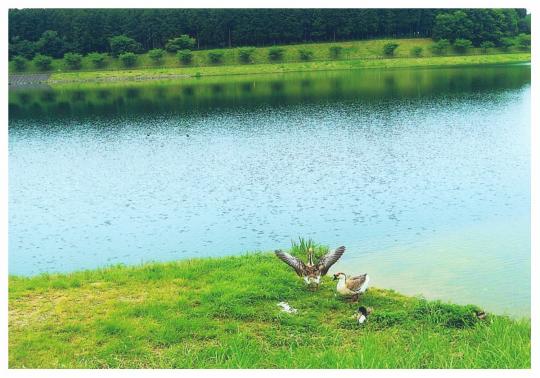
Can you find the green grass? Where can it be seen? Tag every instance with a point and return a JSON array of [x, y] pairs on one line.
[[222, 313], [165, 73], [355, 54]]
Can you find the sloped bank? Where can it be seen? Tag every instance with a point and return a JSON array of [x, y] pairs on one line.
[[222, 312], [172, 73]]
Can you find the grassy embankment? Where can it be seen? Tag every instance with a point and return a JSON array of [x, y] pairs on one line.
[[222, 312], [355, 55]]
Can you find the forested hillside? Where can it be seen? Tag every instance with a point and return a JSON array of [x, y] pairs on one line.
[[56, 31]]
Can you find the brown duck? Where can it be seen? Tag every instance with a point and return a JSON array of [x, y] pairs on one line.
[[351, 287], [311, 272]]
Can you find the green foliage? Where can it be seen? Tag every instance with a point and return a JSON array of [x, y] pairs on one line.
[[486, 45], [128, 59], [387, 319], [185, 56], [416, 51], [462, 45], [51, 44], [305, 54], [524, 41], [73, 61], [389, 48], [215, 57], [22, 47], [476, 25], [19, 63], [335, 51], [275, 53], [440, 47], [156, 55], [303, 246], [98, 60], [446, 315], [184, 42], [506, 43], [42, 62], [245, 55], [121, 44], [88, 30]]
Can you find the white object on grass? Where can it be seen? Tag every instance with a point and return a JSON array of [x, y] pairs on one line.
[[287, 308]]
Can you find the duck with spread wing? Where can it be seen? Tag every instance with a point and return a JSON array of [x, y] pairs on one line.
[[311, 272]]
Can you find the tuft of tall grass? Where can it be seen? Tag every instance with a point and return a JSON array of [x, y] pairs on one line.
[[301, 248]]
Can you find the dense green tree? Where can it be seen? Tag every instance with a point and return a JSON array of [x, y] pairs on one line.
[[461, 45], [121, 44], [452, 26], [416, 51], [524, 41], [506, 43], [335, 51], [73, 60], [19, 63], [51, 44], [185, 56], [98, 60], [440, 47], [524, 24], [390, 48], [245, 55], [486, 45], [22, 47], [156, 55], [215, 57], [184, 42], [89, 30], [42, 62], [305, 54], [275, 53], [128, 59]]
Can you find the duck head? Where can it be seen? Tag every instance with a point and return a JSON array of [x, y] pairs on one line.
[[313, 275], [339, 275], [363, 313]]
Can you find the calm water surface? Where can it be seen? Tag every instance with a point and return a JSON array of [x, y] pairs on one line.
[[423, 174]]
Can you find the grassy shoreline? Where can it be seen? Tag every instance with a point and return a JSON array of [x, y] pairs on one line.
[[185, 72], [221, 312]]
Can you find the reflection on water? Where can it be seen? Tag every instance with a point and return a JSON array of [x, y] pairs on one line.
[[188, 95], [422, 174]]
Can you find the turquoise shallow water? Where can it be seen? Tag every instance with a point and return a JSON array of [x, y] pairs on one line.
[[423, 174]]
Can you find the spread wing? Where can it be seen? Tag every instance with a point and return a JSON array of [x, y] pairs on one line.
[[330, 259], [355, 283], [292, 261]]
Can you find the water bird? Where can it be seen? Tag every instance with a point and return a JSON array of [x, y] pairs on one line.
[[311, 272], [362, 314], [481, 315], [351, 287]]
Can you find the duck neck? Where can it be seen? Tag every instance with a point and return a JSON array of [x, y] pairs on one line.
[[310, 258], [341, 281]]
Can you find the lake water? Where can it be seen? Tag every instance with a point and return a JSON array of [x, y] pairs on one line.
[[424, 174]]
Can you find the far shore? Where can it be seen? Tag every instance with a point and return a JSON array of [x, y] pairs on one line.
[[141, 74]]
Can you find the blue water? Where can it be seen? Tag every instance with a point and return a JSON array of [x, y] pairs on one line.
[[430, 193]]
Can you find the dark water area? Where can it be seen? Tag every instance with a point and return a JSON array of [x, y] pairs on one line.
[[424, 174]]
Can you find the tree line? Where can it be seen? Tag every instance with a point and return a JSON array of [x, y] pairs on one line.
[[54, 32]]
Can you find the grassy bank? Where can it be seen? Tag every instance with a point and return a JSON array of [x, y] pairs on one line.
[[222, 313], [165, 73]]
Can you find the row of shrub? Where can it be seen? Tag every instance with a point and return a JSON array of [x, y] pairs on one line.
[[73, 61]]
